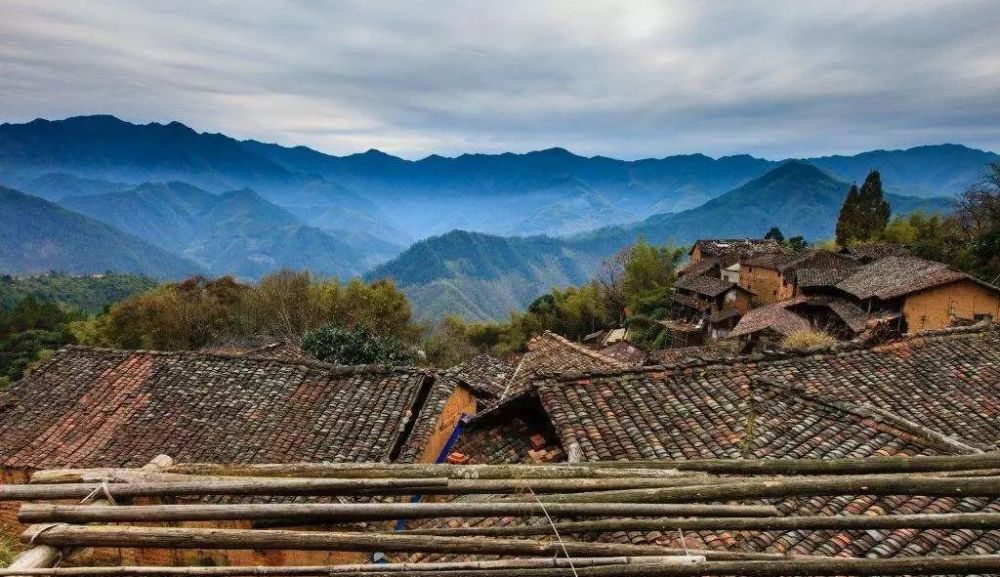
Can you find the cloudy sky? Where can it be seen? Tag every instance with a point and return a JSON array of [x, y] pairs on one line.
[[625, 79]]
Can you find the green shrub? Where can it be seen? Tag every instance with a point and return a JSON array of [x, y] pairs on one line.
[[356, 345]]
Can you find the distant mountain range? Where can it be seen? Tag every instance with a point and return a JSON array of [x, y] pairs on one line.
[[38, 236], [797, 197], [236, 232], [216, 204], [473, 274]]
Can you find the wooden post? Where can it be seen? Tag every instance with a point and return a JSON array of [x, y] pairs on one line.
[[47, 513]]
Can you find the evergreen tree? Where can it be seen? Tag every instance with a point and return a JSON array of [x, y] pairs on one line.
[[874, 209], [847, 221], [865, 213]]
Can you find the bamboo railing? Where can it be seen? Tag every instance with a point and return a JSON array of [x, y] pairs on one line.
[[560, 502]]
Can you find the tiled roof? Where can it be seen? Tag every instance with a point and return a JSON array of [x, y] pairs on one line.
[[775, 317], [281, 350], [736, 246], [705, 285], [96, 407], [699, 268], [820, 277], [690, 301], [718, 351], [625, 352], [815, 259], [645, 415], [896, 276], [852, 315], [551, 353], [485, 375], [872, 251]]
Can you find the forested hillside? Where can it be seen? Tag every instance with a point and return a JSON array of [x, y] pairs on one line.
[[480, 276], [38, 236], [88, 293]]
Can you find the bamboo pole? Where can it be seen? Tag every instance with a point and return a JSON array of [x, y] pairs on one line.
[[849, 466], [833, 566], [328, 486], [974, 521], [47, 513], [369, 471], [62, 535], [225, 487], [365, 568], [794, 487]]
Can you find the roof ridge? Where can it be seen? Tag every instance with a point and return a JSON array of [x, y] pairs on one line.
[[865, 411], [777, 357], [315, 364], [580, 348]]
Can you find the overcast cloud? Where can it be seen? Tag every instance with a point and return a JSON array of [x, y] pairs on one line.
[[624, 79]]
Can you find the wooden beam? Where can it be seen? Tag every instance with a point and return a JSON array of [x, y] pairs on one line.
[[47, 513], [974, 521], [796, 486], [238, 539]]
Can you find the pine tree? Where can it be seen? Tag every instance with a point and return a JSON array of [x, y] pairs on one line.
[[847, 221], [865, 213], [874, 209], [776, 234]]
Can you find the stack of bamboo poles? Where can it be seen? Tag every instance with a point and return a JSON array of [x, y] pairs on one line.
[[599, 497]]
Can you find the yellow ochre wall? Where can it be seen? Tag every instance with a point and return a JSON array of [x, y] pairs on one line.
[[766, 282], [461, 402], [935, 308]]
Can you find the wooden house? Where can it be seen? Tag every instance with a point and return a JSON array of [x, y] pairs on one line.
[[772, 276], [922, 294]]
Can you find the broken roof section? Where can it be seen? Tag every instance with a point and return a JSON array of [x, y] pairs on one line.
[[89, 407], [549, 353], [484, 374]]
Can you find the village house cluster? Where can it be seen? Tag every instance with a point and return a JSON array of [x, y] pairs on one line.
[[756, 291]]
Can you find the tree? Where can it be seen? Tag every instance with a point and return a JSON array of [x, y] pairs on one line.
[[356, 345], [776, 234], [847, 221], [874, 209], [865, 213], [797, 243]]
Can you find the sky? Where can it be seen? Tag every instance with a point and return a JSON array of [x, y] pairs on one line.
[[623, 79]]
